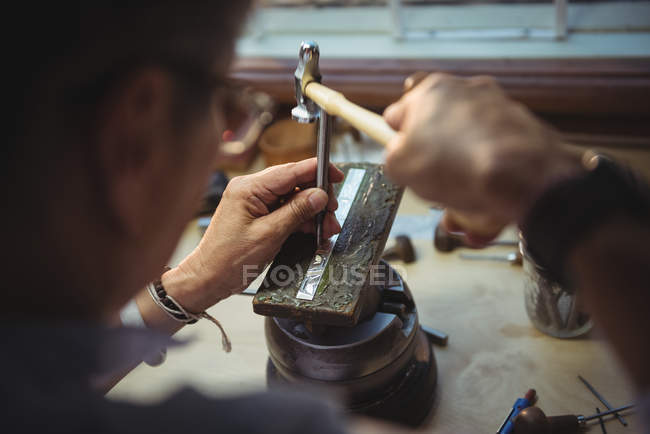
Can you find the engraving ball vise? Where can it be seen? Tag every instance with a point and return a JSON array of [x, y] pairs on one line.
[[337, 316]]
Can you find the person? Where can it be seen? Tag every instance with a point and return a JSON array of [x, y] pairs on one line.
[[116, 114], [116, 118], [586, 219]]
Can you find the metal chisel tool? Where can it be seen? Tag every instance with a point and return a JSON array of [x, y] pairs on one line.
[[323, 162]]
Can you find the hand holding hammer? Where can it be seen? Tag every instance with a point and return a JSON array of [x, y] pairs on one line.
[[314, 100]]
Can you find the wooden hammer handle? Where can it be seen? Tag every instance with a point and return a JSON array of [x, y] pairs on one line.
[[336, 104]]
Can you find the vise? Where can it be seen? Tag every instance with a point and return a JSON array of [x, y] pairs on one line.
[[337, 316]]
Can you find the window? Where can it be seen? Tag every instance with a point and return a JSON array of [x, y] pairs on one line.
[[591, 80], [451, 28]]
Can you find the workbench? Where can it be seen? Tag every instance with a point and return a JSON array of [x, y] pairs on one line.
[[494, 354]]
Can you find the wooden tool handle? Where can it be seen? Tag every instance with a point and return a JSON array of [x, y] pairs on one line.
[[336, 104]]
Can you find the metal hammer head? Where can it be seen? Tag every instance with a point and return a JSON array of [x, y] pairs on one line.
[[307, 71]]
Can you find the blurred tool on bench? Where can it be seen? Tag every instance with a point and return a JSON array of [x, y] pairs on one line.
[[402, 250], [532, 420], [446, 241], [601, 421], [513, 258], [520, 404], [248, 112], [601, 399]]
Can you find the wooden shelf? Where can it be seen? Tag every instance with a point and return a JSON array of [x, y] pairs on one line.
[[597, 97]]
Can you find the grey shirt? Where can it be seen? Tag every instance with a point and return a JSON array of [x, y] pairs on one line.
[[48, 371]]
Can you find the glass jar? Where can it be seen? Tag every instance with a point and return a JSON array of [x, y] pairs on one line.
[[551, 308]]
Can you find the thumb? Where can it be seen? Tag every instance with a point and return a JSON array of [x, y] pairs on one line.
[[301, 208]]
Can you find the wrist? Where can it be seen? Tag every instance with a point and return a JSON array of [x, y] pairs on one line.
[[559, 164], [184, 301], [190, 288], [570, 211]]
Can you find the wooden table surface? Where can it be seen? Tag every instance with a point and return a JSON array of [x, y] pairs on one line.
[[494, 353]]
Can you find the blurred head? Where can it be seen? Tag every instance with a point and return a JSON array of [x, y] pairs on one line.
[[116, 122]]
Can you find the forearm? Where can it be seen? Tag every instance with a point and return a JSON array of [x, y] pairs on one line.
[[600, 230], [610, 269], [180, 285]]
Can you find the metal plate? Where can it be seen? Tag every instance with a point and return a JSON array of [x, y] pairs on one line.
[[314, 273]]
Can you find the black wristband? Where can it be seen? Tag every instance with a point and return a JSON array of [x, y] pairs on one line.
[[569, 211], [162, 296]]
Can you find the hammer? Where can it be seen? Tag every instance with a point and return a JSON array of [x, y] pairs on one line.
[[311, 94], [315, 100]]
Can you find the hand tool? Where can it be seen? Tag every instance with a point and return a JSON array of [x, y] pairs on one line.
[[307, 111], [402, 250], [532, 420], [513, 258], [311, 94], [323, 162], [518, 406], [601, 421], [446, 241], [601, 399]]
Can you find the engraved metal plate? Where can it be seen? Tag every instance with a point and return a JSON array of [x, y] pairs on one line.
[[318, 264]]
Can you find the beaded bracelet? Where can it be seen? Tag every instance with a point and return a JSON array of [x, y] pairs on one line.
[[177, 312]]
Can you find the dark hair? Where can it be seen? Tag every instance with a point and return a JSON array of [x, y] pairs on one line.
[[62, 57]]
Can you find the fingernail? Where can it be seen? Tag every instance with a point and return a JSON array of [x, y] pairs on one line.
[[318, 199]]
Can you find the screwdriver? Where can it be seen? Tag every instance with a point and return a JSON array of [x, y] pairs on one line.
[[532, 420], [520, 404]]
